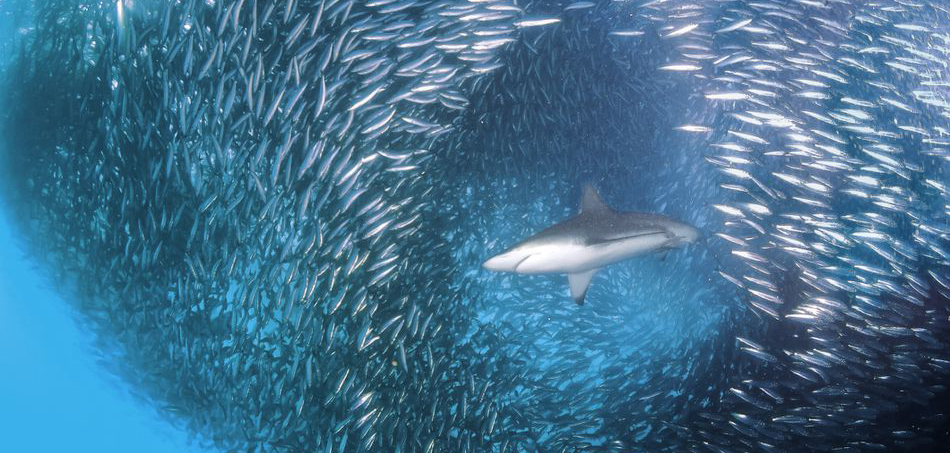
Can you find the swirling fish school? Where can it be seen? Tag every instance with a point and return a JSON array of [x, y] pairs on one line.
[[277, 212]]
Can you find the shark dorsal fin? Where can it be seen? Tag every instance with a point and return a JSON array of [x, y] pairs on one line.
[[579, 283], [591, 201]]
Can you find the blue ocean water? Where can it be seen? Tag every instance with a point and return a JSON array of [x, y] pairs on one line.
[[54, 396]]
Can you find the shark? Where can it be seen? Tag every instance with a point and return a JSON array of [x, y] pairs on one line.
[[596, 237]]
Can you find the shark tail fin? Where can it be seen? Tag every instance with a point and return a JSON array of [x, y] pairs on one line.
[[579, 283], [591, 201]]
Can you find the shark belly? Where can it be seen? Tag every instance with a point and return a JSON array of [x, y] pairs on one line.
[[559, 259], [574, 258], [602, 254], [599, 255]]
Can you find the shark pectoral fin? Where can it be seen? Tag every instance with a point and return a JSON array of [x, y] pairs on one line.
[[663, 254], [579, 283]]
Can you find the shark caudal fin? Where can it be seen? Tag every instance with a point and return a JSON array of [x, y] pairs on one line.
[[591, 201], [579, 283]]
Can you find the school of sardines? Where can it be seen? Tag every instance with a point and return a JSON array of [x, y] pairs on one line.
[[272, 215]]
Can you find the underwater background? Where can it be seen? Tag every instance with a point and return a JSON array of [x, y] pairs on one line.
[[54, 394], [259, 225]]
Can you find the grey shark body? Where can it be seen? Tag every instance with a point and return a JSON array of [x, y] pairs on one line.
[[595, 237]]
